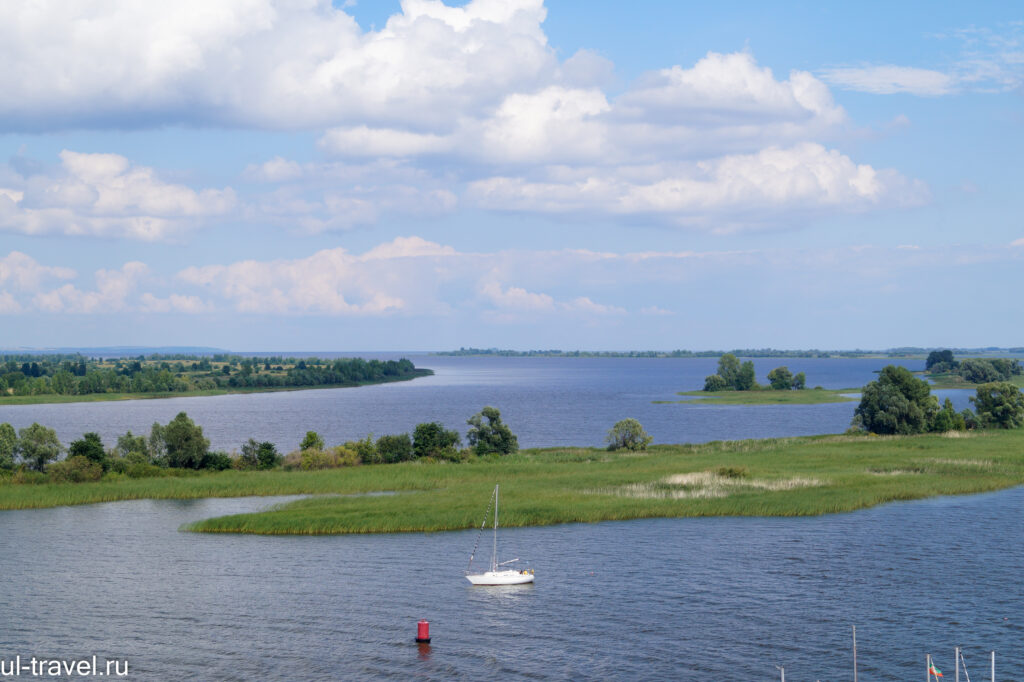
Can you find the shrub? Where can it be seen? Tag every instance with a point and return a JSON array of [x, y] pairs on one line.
[[365, 450], [267, 456], [312, 441], [217, 461], [75, 469], [628, 434], [395, 448], [490, 437], [999, 406], [431, 439], [732, 472], [713, 382], [91, 447], [312, 460]]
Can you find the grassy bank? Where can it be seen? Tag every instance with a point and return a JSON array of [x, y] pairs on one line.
[[778, 477], [946, 381], [47, 399], [814, 396]]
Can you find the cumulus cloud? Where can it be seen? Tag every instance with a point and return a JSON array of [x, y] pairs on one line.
[[264, 63], [805, 177], [22, 272], [113, 288], [105, 195]]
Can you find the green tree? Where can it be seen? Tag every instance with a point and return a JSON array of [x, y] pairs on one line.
[[312, 441], [186, 446], [249, 457], [714, 382], [780, 378], [431, 439], [939, 357], [746, 380], [490, 437], [393, 449], [729, 368], [800, 381], [999, 406], [8, 447], [158, 444], [63, 382], [90, 446], [38, 445], [947, 419], [266, 456], [897, 403], [132, 448], [628, 434]]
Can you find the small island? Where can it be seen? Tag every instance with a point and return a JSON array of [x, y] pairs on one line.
[[27, 379], [945, 371]]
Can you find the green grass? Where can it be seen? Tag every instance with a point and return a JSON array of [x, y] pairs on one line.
[[946, 381], [47, 399], [814, 396], [776, 477]]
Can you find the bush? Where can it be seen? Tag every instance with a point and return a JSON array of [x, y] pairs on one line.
[[312, 441], [313, 460], [91, 447], [365, 450], [781, 379], [28, 476], [217, 461], [713, 382], [75, 469], [491, 437], [431, 439], [267, 456], [628, 434], [392, 449], [897, 403], [999, 406]]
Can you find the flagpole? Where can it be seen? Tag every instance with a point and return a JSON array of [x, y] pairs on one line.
[[928, 662], [957, 676], [993, 667]]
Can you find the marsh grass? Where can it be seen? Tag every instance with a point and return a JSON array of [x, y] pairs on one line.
[[771, 477], [812, 396]]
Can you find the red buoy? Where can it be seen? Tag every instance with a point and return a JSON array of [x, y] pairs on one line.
[[423, 632]]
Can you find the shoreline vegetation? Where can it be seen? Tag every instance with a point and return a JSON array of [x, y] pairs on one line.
[[802, 476], [31, 379], [813, 396]]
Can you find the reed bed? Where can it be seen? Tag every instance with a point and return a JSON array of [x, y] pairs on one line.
[[771, 477]]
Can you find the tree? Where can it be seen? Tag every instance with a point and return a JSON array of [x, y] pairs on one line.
[[939, 357], [249, 456], [431, 439], [897, 403], [392, 449], [999, 405], [312, 441], [132, 448], [729, 368], [781, 378], [746, 380], [8, 446], [491, 437], [947, 419], [628, 434], [186, 445], [800, 381], [714, 382], [38, 445], [90, 446], [158, 444], [266, 456]]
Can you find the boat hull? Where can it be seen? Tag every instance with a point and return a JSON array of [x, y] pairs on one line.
[[501, 578]]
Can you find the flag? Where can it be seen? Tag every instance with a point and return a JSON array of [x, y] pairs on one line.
[[932, 670]]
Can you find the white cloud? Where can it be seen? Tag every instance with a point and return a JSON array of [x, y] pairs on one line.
[[113, 288], [1017, 242], [889, 79], [22, 272], [8, 304], [265, 63], [516, 298], [104, 195], [804, 177]]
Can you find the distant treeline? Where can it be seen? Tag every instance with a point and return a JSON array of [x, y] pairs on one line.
[[908, 351], [59, 374]]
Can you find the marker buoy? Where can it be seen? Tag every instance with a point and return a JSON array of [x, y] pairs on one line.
[[423, 632]]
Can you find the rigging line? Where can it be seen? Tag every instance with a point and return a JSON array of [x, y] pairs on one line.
[[480, 532]]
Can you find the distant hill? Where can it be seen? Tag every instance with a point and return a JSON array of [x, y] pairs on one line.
[[118, 351]]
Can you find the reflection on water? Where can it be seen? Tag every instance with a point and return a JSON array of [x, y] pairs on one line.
[[715, 599]]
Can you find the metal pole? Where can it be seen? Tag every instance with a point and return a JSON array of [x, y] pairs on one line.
[[494, 552], [993, 666], [957, 676], [854, 653], [928, 662]]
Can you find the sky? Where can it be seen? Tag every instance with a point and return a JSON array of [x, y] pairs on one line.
[[297, 175]]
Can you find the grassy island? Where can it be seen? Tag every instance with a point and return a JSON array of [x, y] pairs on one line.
[[814, 396], [772, 477]]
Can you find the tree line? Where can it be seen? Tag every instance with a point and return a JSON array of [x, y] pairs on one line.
[[32, 454], [900, 403], [31, 375], [973, 370]]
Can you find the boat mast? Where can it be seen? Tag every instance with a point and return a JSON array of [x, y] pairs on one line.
[[494, 552]]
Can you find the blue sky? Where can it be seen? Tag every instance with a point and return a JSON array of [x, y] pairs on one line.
[[263, 175]]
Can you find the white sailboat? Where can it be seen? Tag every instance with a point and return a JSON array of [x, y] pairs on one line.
[[497, 575]]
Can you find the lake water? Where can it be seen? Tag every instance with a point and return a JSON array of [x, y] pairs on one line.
[[546, 401], [698, 599], [707, 599]]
